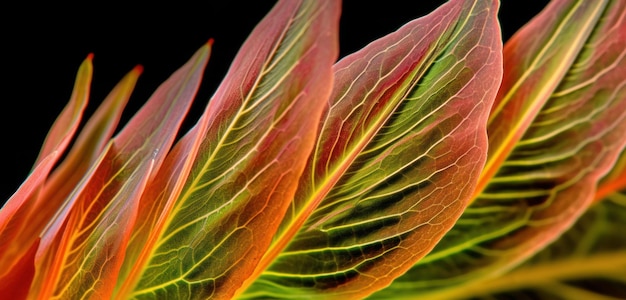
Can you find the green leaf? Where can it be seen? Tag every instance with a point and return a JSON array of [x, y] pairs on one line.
[[564, 95], [400, 148], [587, 262], [156, 205], [260, 128]]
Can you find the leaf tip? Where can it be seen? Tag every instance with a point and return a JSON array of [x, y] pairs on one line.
[[138, 69]]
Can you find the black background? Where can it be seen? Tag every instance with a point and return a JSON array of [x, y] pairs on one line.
[[42, 47]]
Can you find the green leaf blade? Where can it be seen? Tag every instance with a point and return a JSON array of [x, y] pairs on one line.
[[261, 127], [549, 179], [587, 261], [156, 206], [384, 175], [15, 230]]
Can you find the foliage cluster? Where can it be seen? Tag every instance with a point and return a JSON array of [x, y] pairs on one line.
[[435, 162]]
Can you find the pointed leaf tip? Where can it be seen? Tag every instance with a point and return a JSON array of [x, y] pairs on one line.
[[90, 56], [138, 69]]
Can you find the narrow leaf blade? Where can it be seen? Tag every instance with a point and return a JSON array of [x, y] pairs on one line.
[[90, 236], [88, 145], [84, 152], [17, 280], [67, 122], [156, 206], [16, 213]]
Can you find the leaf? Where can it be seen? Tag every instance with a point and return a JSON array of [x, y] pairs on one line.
[[564, 80], [15, 214], [155, 207], [400, 148], [84, 248], [587, 262], [42, 205], [87, 148], [18, 251], [67, 122], [261, 126]]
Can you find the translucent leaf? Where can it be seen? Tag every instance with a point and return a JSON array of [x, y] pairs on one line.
[[83, 249], [587, 262], [399, 152], [18, 210], [260, 128], [556, 129]]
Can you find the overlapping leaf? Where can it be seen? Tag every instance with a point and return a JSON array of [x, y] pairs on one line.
[[82, 250], [614, 181], [291, 187], [50, 197], [587, 262], [85, 151], [22, 208], [557, 127], [155, 207], [49, 194], [261, 123], [399, 151]]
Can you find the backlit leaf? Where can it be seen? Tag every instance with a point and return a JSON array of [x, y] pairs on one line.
[[16, 214], [87, 148], [400, 148], [84, 248], [399, 172], [13, 217], [84, 152], [261, 125], [587, 262], [156, 206], [67, 122], [16, 281], [564, 87]]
